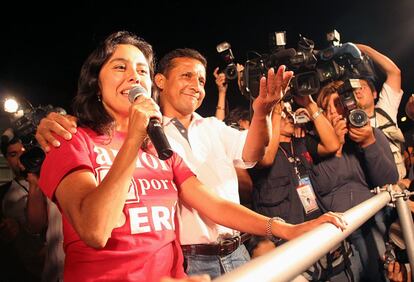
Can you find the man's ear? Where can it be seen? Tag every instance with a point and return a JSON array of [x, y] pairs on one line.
[[159, 81], [375, 94]]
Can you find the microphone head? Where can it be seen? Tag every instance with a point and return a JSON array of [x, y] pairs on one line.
[[135, 92]]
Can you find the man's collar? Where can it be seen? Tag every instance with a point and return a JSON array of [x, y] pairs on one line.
[[167, 120]]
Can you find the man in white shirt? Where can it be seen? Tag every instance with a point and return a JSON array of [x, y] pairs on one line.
[[383, 114], [212, 150]]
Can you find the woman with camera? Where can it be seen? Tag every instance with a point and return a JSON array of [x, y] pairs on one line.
[[363, 161]]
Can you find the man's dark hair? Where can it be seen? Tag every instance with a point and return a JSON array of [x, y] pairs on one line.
[[6, 142], [166, 63], [370, 83], [86, 106]]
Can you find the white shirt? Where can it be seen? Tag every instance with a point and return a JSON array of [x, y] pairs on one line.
[[211, 152], [389, 101]]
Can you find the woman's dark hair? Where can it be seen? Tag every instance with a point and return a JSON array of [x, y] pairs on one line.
[[86, 105], [237, 114], [166, 63], [326, 91]]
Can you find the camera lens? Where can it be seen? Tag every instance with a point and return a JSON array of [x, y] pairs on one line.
[[358, 118], [231, 72], [32, 159], [305, 84]]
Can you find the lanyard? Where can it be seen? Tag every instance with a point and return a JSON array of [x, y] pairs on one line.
[[293, 159]]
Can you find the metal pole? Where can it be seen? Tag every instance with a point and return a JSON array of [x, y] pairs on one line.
[[294, 257], [407, 228]]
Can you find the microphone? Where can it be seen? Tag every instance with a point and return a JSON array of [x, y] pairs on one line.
[[154, 129]]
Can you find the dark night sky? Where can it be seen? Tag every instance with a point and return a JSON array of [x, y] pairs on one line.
[[40, 57]]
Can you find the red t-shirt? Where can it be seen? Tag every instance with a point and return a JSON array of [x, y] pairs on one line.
[[144, 247]]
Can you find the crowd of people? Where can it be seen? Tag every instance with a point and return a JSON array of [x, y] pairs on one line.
[[238, 184]]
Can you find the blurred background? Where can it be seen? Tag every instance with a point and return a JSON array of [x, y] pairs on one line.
[[44, 45]]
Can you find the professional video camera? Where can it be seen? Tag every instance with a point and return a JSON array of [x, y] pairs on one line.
[[342, 61], [312, 68], [302, 61], [355, 116], [24, 124], [224, 49]]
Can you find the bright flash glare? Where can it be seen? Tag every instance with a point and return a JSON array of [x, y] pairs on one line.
[[10, 105]]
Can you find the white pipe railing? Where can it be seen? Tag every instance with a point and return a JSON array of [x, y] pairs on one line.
[[294, 257], [407, 228]]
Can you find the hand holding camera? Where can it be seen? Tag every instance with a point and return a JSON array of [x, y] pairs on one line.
[[364, 136], [340, 127], [221, 81]]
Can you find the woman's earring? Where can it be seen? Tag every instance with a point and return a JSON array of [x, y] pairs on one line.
[[99, 98]]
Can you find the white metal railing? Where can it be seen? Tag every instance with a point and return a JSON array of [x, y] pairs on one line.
[[294, 257]]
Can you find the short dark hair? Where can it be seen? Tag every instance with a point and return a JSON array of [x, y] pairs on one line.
[[86, 106], [166, 63], [370, 83], [6, 142], [236, 115]]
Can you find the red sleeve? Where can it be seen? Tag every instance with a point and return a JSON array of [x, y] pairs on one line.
[[180, 170], [71, 155]]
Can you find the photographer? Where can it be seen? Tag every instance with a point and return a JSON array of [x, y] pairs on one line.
[[383, 114], [222, 86], [23, 215], [222, 91], [284, 185], [363, 161]]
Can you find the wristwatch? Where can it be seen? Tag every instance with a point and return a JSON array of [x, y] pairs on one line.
[[317, 113], [269, 233]]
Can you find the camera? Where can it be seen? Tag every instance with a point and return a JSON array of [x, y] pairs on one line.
[[312, 68], [300, 118], [224, 49], [342, 61], [355, 116], [301, 60], [24, 127]]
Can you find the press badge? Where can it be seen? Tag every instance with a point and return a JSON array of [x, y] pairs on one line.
[[307, 195]]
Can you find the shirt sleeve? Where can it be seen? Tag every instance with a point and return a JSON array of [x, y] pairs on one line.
[[379, 160], [70, 156], [312, 142], [389, 101], [234, 141], [180, 170]]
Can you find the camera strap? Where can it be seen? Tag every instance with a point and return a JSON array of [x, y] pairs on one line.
[[21, 185]]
